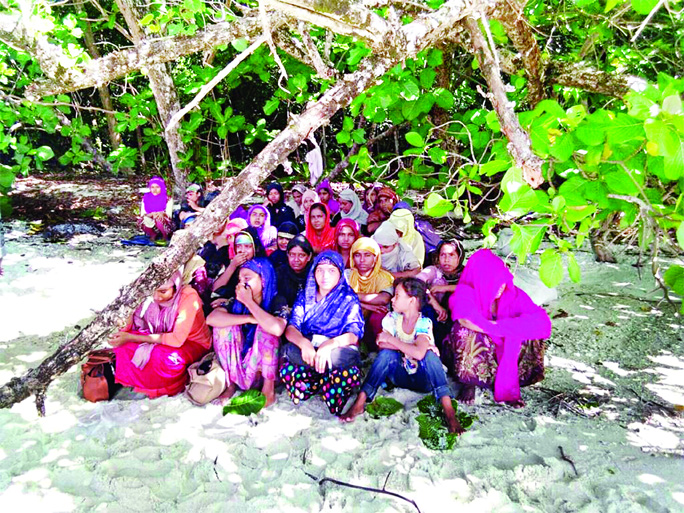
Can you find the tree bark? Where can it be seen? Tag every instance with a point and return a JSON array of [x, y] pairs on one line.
[[419, 34], [103, 90], [519, 145], [166, 97]]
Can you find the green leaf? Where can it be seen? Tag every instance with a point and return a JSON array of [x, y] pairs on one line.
[[432, 428], [674, 164], [427, 78], [415, 139], [44, 153], [551, 268], [526, 239], [673, 104], [271, 105], [520, 202], [639, 105], [643, 6], [663, 135], [494, 166], [240, 44], [250, 401], [383, 407], [680, 235], [437, 155], [437, 206], [674, 277], [563, 148], [147, 19], [573, 268]]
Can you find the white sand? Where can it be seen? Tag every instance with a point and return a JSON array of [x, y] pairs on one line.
[[167, 455]]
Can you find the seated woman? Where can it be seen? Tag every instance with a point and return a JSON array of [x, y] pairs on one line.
[[441, 279], [370, 195], [408, 357], [384, 205], [280, 212], [322, 355], [403, 221], [327, 197], [350, 208], [372, 284], [308, 198], [247, 333], [166, 334], [496, 341], [346, 233], [292, 275], [397, 257], [155, 211], [245, 247], [286, 233], [318, 230], [259, 218]]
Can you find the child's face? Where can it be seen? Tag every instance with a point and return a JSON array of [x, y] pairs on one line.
[[282, 243], [155, 189], [257, 218], [402, 302]]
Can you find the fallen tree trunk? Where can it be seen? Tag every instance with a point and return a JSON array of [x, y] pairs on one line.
[[418, 35]]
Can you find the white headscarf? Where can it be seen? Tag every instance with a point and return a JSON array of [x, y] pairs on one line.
[[357, 213], [401, 258]]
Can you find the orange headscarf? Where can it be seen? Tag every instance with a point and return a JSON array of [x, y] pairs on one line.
[[379, 279], [326, 238]]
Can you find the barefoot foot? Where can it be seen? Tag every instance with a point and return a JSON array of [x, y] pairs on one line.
[[268, 389], [225, 396], [466, 395], [453, 425], [516, 404], [356, 409]]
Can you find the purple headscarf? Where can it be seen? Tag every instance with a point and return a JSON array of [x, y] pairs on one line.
[[515, 320], [267, 233], [332, 204], [156, 203]]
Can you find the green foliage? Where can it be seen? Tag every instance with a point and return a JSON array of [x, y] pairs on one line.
[[250, 401], [432, 428], [383, 407]]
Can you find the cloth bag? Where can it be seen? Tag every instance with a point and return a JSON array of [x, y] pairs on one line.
[[207, 380], [97, 376]]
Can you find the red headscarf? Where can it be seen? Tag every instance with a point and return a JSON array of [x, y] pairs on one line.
[[349, 222], [326, 238]]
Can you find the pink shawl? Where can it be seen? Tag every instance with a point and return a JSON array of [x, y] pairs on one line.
[[517, 318]]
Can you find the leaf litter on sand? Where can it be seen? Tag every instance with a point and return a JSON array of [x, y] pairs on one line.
[[251, 401], [433, 429]]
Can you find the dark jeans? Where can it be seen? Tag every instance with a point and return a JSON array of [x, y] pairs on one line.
[[341, 357], [429, 377]]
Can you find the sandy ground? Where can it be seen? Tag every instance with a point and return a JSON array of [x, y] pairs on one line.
[[615, 375]]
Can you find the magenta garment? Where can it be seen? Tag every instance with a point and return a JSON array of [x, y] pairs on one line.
[[517, 318], [156, 203], [332, 204], [267, 233]]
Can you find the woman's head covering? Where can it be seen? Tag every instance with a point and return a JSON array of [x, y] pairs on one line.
[[326, 237], [264, 269], [461, 257], [152, 317], [403, 221], [515, 319], [290, 283], [301, 189], [288, 230], [233, 227], [379, 279], [387, 192], [279, 188], [156, 203], [332, 203], [357, 213], [302, 242], [267, 233], [240, 213], [397, 259], [402, 204], [250, 235], [338, 228], [386, 234], [337, 313], [306, 195]]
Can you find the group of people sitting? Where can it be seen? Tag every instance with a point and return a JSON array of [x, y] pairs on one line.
[[299, 293]]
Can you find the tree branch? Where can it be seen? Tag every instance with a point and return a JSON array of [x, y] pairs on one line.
[[519, 144]]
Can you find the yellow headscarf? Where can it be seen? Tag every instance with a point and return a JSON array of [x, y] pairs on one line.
[[403, 221], [379, 279]]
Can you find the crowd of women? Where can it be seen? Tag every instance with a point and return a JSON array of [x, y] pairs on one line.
[[299, 293]]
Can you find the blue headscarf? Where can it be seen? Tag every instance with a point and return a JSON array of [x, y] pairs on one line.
[[264, 269], [337, 313]]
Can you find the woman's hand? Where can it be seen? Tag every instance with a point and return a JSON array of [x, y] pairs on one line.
[[308, 353], [442, 314], [381, 309], [120, 338], [244, 294], [438, 289], [237, 261], [467, 324], [219, 302], [323, 357]]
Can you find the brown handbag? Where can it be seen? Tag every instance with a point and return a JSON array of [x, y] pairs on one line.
[[97, 376]]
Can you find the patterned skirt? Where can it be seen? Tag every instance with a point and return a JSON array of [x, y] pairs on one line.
[[471, 357], [240, 370]]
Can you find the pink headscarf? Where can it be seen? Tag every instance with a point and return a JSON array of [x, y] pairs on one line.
[[332, 204], [267, 233], [516, 319], [152, 317], [156, 203], [233, 227]]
